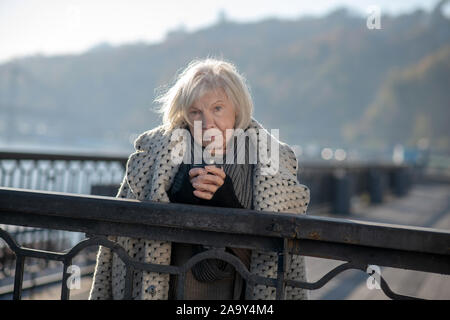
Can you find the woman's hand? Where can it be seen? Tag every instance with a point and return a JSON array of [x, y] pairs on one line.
[[206, 184]]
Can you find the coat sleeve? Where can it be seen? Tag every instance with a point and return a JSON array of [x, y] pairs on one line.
[[293, 197], [101, 288], [295, 264]]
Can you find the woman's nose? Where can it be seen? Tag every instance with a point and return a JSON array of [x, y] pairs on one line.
[[207, 121]]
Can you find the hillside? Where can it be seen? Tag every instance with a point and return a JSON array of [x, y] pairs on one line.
[[412, 104], [314, 78]]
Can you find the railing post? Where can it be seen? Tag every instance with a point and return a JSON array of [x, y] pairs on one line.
[[376, 185], [128, 294], [249, 287], [341, 192], [180, 285], [65, 291], [18, 277], [281, 269], [400, 181]]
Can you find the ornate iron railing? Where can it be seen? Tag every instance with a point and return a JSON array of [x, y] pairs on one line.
[[71, 173], [360, 244], [332, 185], [59, 172]]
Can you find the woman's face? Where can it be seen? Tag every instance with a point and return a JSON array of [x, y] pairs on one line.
[[215, 111]]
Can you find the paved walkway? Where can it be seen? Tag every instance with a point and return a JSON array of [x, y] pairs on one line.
[[425, 206]]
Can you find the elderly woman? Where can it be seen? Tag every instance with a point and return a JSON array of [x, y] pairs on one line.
[[212, 104]]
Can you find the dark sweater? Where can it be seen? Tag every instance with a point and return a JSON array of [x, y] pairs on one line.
[[225, 283], [223, 197]]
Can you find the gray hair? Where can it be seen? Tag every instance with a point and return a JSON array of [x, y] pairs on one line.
[[199, 77]]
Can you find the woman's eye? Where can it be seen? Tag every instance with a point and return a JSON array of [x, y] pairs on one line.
[[194, 112], [218, 108]]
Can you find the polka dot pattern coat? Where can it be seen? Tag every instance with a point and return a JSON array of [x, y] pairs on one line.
[[149, 175]]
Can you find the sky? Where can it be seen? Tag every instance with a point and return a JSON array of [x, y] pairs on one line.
[[50, 27]]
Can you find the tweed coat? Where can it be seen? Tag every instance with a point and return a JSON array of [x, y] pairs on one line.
[[150, 172]]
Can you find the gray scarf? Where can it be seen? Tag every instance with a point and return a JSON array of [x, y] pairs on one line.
[[242, 177]]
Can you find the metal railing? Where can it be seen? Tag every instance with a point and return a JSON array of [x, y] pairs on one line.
[[85, 174], [360, 244], [71, 173], [332, 186]]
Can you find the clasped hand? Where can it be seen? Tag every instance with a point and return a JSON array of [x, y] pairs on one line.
[[206, 181]]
